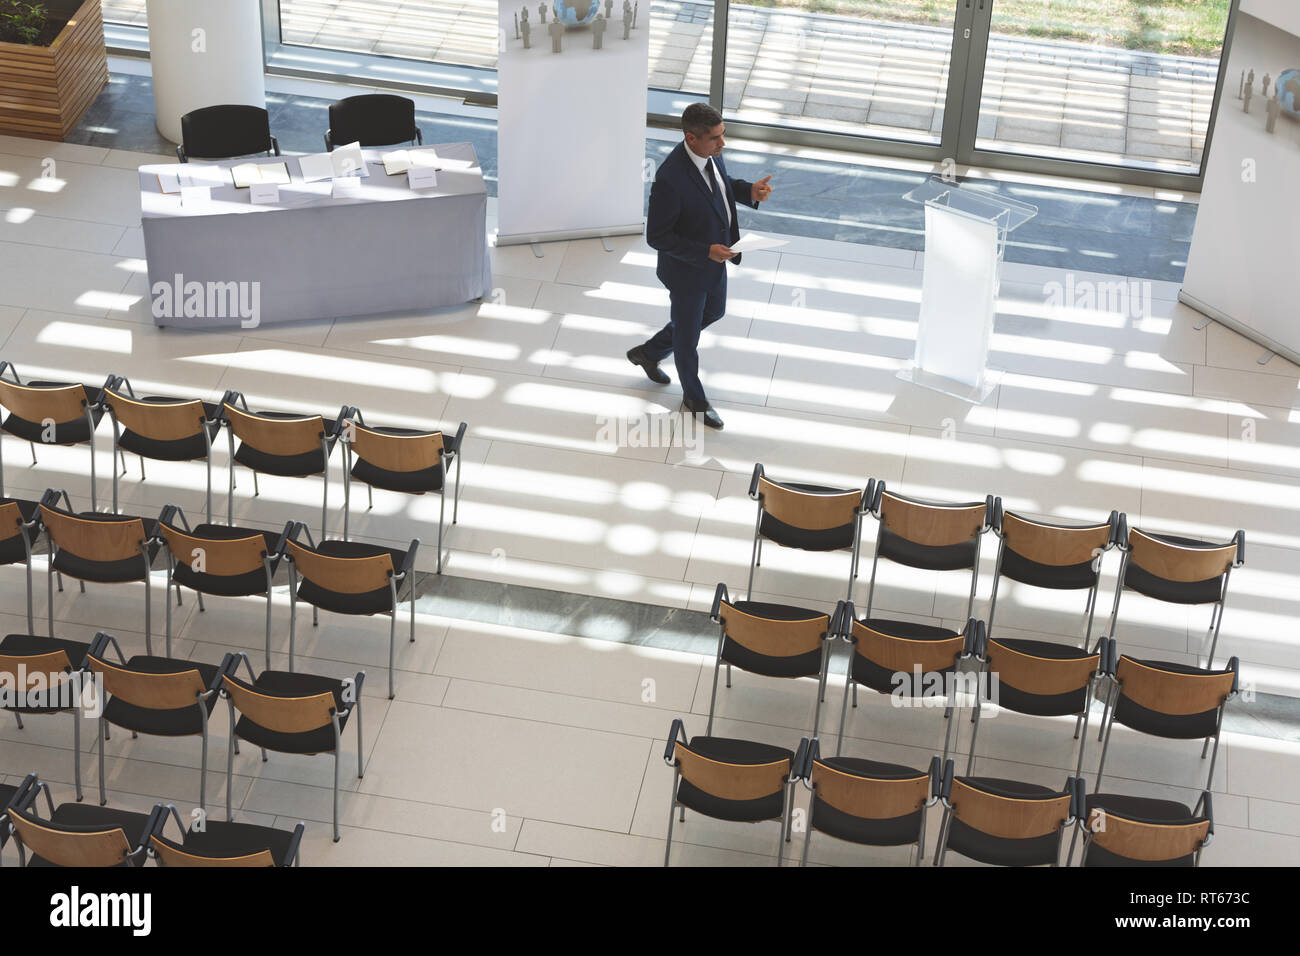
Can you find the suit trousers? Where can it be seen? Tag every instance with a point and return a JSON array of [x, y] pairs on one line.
[[690, 312]]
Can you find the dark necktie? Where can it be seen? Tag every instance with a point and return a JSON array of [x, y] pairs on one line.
[[719, 200]]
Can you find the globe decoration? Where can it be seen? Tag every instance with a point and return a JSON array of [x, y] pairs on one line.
[[575, 13], [1288, 91]]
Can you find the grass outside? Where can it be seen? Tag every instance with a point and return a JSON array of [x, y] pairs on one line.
[[1180, 27]]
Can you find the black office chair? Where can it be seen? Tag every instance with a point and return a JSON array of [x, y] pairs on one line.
[[372, 119], [226, 131]]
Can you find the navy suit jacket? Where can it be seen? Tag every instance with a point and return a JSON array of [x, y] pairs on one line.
[[683, 222]]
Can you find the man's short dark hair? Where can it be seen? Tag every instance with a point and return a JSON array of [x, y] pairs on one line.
[[699, 118]]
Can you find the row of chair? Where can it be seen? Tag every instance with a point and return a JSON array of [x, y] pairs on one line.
[[939, 536], [343, 577], [281, 711], [286, 444], [1035, 678], [229, 130], [869, 803], [82, 836]]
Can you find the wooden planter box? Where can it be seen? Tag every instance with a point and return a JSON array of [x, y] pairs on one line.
[[45, 90]]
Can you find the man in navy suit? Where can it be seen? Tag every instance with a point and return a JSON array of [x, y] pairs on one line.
[[692, 224]]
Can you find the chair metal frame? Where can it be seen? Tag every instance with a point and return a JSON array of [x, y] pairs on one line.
[[230, 398], [292, 857], [395, 580], [1090, 608], [813, 753], [30, 531], [973, 633], [446, 460], [115, 385], [1074, 786], [79, 674], [269, 564], [1117, 688], [54, 550], [756, 552], [101, 643], [330, 145], [678, 733], [275, 143], [991, 504], [1105, 648], [335, 717], [1204, 801], [1216, 614], [721, 595], [89, 408], [135, 857]]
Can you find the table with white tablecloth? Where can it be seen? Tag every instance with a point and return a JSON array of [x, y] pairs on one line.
[[313, 254]]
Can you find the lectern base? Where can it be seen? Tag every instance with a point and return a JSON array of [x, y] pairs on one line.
[[976, 395]]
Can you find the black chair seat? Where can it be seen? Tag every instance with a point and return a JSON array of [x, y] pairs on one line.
[[950, 557], [728, 750], [182, 722], [1070, 577], [109, 572], [27, 645], [221, 838], [788, 536], [378, 601], [286, 466], [75, 432], [247, 584], [88, 818], [1170, 726], [411, 482], [285, 684], [1174, 592], [1140, 809], [191, 448]]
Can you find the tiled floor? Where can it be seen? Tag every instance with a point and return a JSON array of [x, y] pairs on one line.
[[787, 66], [533, 734]]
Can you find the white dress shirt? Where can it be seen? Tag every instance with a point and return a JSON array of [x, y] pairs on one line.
[[718, 186]]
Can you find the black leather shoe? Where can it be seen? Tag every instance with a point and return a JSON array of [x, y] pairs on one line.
[[705, 413], [651, 368]]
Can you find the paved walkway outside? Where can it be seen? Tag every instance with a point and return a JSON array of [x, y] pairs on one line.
[[841, 73]]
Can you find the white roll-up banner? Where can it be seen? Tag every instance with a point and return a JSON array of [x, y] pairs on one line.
[[571, 108], [1243, 263]]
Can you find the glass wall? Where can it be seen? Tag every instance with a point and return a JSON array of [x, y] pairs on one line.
[[874, 67], [1130, 84], [1127, 83]]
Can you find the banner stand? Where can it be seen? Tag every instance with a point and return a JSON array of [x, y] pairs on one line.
[[571, 119], [560, 235]]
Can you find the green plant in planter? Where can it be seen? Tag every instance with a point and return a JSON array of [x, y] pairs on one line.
[[22, 22]]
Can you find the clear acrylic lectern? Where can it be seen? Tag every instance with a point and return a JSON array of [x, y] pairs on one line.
[[965, 235]]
